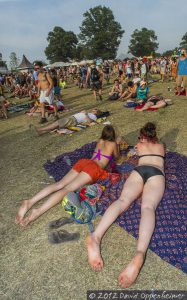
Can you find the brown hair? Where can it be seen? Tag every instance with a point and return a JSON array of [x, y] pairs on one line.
[[108, 133], [149, 132]]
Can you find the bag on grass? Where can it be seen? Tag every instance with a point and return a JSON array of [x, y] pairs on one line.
[[82, 205]]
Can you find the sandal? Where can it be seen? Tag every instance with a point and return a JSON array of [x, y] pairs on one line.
[[60, 222], [61, 236]]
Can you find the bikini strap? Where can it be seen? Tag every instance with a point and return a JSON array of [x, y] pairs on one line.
[[152, 155]]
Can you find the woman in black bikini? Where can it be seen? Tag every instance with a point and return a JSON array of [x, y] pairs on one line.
[[147, 179]]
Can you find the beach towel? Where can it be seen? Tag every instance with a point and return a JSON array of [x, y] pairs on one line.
[[169, 237]]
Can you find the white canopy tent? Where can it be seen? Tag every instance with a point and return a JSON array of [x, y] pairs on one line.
[[58, 64]]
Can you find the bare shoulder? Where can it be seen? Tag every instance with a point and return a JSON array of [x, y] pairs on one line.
[[107, 144], [48, 75]]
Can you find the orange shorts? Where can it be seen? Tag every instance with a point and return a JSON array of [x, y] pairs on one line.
[[91, 168]]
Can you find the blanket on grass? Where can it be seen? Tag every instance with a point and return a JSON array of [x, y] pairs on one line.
[[169, 238]]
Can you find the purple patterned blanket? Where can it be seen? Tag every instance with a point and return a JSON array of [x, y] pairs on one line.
[[169, 238]]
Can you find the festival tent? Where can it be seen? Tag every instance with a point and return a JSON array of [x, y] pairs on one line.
[[4, 70], [25, 65], [58, 64], [75, 63]]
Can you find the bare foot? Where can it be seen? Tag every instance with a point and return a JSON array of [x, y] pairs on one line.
[[33, 216], [130, 273], [94, 255], [22, 211], [35, 131]]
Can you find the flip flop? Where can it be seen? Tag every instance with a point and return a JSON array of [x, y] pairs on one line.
[[60, 222], [62, 236]]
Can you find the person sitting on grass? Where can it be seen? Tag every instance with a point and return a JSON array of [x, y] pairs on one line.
[[130, 92], [148, 180], [116, 91], [142, 91], [85, 171], [83, 117]]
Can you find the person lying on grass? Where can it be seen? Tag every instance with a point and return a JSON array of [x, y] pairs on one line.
[[148, 180], [85, 171], [83, 117], [155, 102]]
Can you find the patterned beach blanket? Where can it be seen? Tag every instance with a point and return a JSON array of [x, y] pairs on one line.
[[169, 238]]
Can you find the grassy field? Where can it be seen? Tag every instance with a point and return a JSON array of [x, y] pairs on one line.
[[31, 268]]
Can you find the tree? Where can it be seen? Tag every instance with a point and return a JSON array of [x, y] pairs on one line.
[[170, 52], [183, 44], [62, 45], [143, 42], [100, 34], [3, 64], [14, 61]]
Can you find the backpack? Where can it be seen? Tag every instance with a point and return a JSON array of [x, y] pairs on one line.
[[94, 75], [114, 96], [82, 205]]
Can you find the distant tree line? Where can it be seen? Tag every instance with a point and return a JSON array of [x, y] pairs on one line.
[[100, 36]]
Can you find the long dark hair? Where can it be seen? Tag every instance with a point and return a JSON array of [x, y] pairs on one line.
[[108, 133], [148, 131]]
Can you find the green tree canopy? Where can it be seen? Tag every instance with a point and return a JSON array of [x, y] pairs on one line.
[[170, 52], [14, 61], [143, 42], [3, 64], [183, 43], [62, 45], [100, 33]]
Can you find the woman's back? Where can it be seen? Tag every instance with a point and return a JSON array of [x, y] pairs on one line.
[[103, 152], [151, 154]]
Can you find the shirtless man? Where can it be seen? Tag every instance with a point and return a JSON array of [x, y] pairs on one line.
[[45, 91]]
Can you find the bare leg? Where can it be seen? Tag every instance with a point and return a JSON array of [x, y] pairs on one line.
[[146, 106], [131, 190], [42, 105], [27, 204], [47, 128], [55, 109], [159, 104], [95, 94], [129, 96], [80, 180], [152, 195], [4, 110]]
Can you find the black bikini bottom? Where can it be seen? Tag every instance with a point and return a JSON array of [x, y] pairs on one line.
[[148, 171]]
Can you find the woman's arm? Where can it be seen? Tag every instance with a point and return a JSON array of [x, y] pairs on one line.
[[117, 151]]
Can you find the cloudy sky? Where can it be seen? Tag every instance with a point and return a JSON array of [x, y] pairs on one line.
[[24, 24]]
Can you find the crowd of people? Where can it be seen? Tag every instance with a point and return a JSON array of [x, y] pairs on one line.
[[130, 78]]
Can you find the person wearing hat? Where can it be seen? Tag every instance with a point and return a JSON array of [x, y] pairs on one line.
[[142, 91], [182, 71]]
